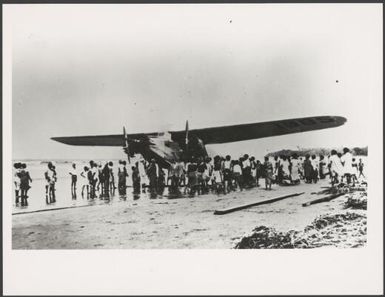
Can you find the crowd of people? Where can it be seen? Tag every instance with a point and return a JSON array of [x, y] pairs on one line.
[[197, 175], [338, 167]]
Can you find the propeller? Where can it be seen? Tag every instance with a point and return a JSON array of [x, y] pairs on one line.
[[186, 139], [126, 146]]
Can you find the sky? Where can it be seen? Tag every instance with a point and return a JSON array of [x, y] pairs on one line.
[[92, 69]]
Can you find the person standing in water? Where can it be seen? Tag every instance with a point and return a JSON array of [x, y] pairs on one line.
[[136, 178], [106, 177], [100, 185], [50, 177], [85, 184], [16, 181], [25, 179], [112, 178], [74, 177], [122, 178]]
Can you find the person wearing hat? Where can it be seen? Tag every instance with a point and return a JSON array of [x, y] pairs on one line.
[[25, 179], [74, 177]]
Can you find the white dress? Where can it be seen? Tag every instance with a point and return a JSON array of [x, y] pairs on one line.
[[84, 178], [336, 165], [347, 159], [16, 179], [295, 168], [143, 174]]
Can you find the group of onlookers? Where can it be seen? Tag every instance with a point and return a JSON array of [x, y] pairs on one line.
[[197, 175], [340, 167]]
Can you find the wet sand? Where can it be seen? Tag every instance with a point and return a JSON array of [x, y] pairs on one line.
[[169, 223]]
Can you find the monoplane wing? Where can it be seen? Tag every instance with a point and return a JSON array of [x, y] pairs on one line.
[[101, 140], [217, 134], [263, 129]]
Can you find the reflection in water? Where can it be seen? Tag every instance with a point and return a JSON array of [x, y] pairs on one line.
[[64, 199]]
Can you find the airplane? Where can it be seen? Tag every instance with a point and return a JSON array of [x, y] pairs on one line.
[[173, 146]]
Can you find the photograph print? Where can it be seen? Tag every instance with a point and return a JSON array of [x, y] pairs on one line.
[[193, 126]]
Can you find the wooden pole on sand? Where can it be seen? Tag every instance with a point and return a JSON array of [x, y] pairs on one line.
[[228, 210], [323, 199]]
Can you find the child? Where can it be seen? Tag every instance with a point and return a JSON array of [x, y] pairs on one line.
[[16, 181], [361, 168]]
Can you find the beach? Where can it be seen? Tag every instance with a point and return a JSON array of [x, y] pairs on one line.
[[164, 223]]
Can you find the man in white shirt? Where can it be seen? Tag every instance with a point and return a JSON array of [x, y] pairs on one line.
[[74, 177], [336, 167], [347, 161]]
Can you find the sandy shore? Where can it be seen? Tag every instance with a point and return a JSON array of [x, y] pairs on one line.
[[168, 223]]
